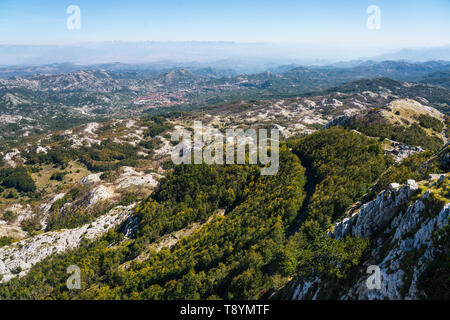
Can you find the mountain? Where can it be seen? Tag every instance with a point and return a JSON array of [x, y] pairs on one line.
[[439, 78], [417, 54], [22, 71], [87, 179], [399, 224]]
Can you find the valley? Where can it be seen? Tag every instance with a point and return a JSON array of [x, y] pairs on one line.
[[87, 179]]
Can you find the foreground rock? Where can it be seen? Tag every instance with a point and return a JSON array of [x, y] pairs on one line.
[[400, 223]]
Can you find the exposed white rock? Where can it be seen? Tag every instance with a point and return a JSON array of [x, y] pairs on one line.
[[395, 218], [21, 256], [22, 212], [392, 274], [302, 291], [165, 149], [13, 231], [91, 128], [8, 158], [42, 149], [375, 215], [91, 178], [401, 151], [100, 193], [44, 208]]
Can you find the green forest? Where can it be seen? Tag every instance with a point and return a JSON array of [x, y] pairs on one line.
[[272, 230]]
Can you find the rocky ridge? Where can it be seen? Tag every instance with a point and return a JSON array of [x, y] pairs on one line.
[[18, 258]]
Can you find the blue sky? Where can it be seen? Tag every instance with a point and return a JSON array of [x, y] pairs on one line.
[[403, 23]]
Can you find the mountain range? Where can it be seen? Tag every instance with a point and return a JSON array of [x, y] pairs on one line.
[[87, 180]]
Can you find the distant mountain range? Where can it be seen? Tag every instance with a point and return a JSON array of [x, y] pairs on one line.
[[431, 71]]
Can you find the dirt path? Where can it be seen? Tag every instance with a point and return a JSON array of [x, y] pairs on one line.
[[310, 188]]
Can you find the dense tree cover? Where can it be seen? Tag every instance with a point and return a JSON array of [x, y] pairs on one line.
[[232, 256], [412, 135], [105, 156], [18, 178], [108, 156], [344, 165], [155, 125], [192, 193]]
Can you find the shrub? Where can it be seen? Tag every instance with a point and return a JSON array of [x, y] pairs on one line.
[[4, 241], [427, 121], [58, 176], [20, 179]]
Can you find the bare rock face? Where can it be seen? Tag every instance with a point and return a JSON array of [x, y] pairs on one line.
[[398, 226], [18, 258], [402, 151], [375, 215], [412, 234], [91, 178], [130, 177], [10, 158]]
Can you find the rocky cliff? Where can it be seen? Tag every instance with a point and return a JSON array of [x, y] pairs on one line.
[[400, 224]]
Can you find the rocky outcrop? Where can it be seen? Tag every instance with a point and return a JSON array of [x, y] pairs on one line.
[[131, 177], [18, 258], [401, 151], [100, 193], [91, 178], [412, 237], [375, 215]]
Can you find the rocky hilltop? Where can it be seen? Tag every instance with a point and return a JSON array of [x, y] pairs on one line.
[[20, 257]]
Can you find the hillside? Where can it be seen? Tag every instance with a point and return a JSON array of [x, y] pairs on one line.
[[42, 99], [407, 229], [401, 121], [104, 195], [88, 202]]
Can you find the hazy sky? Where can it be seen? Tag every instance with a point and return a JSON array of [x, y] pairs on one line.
[[404, 23]]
